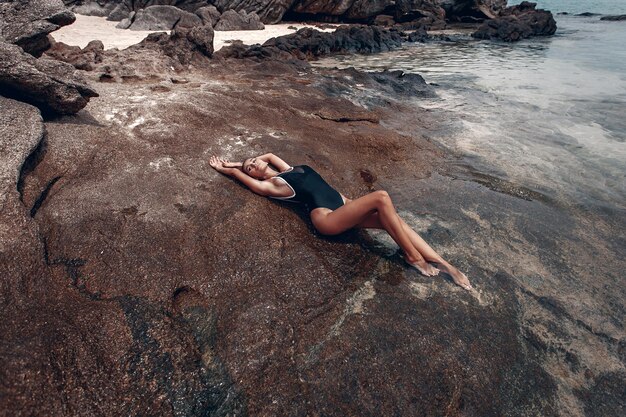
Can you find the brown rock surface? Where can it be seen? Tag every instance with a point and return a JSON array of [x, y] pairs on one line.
[[144, 283], [169, 289], [55, 87]]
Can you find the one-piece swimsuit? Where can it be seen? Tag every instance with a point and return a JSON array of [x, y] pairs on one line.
[[309, 188]]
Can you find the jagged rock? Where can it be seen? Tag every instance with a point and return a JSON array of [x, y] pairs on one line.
[[99, 8], [457, 9], [209, 15], [27, 23], [231, 20], [269, 11], [308, 43], [614, 18], [163, 18], [183, 44], [124, 7], [83, 59], [518, 22], [51, 85]]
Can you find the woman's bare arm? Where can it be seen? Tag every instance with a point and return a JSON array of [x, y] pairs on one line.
[[264, 188], [270, 158]]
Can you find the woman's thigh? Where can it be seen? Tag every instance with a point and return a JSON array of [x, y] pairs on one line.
[[351, 214]]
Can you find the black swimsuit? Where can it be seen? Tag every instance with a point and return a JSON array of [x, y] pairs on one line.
[[310, 188]]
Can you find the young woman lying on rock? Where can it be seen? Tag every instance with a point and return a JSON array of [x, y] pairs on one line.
[[331, 212]]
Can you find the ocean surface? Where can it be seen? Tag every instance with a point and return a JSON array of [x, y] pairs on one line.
[[547, 114]]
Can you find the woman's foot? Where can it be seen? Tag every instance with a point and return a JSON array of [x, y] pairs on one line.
[[458, 277], [424, 267]]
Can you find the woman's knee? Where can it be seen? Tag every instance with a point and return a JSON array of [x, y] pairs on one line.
[[382, 197]]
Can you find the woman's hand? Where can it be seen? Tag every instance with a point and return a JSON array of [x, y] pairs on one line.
[[217, 163]]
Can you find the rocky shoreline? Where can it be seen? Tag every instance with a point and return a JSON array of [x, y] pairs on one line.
[[137, 281]]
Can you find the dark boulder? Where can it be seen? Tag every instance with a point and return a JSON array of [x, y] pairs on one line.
[[209, 15], [232, 20], [124, 7], [614, 18], [269, 11], [518, 22], [100, 8], [163, 18], [384, 20], [309, 43], [53, 86], [27, 23]]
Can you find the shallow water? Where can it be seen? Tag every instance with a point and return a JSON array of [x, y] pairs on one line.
[[547, 114], [537, 195]]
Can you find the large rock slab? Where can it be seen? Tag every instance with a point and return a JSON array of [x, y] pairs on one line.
[[163, 18], [232, 20], [309, 43], [27, 23], [518, 22], [124, 7], [270, 11], [209, 15], [55, 87]]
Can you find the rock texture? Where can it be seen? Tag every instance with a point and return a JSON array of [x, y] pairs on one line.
[[518, 22], [209, 15], [614, 18], [53, 86], [232, 20], [270, 11], [430, 12], [137, 281], [309, 43], [27, 23], [163, 18]]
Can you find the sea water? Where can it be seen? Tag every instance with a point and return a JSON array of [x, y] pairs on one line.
[[547, 113]]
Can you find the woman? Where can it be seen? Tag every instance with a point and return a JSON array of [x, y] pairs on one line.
[[331, 212]]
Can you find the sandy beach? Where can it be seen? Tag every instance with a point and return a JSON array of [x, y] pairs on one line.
[[88, 28]]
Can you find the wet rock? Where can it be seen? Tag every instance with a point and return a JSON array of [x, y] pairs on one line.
[[53, 86], [419, 35], [518, 22], [27, 23], [163, 18], [232, 20], [614, 18], [209, 15]]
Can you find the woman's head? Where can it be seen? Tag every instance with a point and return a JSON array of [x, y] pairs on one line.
[[256, 168]]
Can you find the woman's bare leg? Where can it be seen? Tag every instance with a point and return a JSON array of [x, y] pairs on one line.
[[356, 211], [373, 221]]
